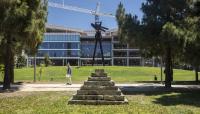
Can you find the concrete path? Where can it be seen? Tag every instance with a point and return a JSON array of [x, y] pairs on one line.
[[124, 87]]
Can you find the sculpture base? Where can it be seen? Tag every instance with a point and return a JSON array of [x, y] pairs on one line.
[[99, 89]]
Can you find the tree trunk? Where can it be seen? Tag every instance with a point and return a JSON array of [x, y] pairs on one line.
[[171, 70], [12, 68], [168, 73], [161, 70], [7, 64], [34, 69], [196, 74]]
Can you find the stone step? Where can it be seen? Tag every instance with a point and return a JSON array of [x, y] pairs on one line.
[[99, 83], [114, 97], [87, 97], [99, 74], [98, 92], [94, 87], [99, 78], [99, 97], [99, 70], [97, 102]]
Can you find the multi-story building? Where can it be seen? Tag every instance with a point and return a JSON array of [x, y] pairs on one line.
[[64, 45], [60, 47], [125, 55]]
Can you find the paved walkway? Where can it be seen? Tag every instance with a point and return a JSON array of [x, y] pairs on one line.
[[123, 87]]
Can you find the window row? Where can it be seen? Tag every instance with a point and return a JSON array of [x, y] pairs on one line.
[[58, 53], [59, 45], [124, 62], [125, 54], [87, 50], [62, 37]]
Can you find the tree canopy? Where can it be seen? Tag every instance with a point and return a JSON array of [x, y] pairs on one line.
[[22, 24], [162, 31]]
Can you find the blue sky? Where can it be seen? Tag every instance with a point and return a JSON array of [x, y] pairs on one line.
[[79, 20]]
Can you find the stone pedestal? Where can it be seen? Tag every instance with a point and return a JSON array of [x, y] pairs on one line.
[[99, 89]]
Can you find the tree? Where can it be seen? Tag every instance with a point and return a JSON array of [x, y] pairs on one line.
[[192, 55], [126, 24], [40, 72], [21, 61], [47, 61], [158, 35], [1, 56], [191, 29], [120, 15], [22, 24], [1, 70]]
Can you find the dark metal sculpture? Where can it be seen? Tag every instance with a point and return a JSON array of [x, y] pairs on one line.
[[98, 38]]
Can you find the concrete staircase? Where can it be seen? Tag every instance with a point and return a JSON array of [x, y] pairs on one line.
[[99, 89]]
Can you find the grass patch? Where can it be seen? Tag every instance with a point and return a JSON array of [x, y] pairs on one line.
[[56, 103], [118, 73]]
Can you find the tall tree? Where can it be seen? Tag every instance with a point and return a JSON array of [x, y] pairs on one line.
[[120, 15], [22, 24], [156, 35], [191, 29]]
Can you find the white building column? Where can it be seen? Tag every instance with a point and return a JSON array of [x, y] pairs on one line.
[[79, 62], [142, 61]]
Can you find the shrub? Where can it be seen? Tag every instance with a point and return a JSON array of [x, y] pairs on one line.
[[47, 61], [21, 61]]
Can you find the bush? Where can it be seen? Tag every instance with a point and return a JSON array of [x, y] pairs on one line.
[[47, 61], [1, 70], [21, 61]]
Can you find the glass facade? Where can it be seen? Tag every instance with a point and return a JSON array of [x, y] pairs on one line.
[[134, 62], [87, 49], [120, 46], [124, 55], [135, 53], [120, 62], [66, 37], [60, 45], [120, 53], [71, 47]]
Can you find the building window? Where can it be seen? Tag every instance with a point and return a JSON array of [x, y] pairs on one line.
[[56, 53], [119, 46], [120, 53], [44, 45], [42, 53], [71, 53], [87, 49], [134, 54], [134, 62], [120, 62]]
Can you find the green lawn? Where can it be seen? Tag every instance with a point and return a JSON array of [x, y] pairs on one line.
[[118, 74], [56, 103]]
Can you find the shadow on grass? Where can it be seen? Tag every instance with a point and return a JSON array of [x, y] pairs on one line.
[[174, 82], [12, 89], [170, 97], [182, 98], [145, 88]]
